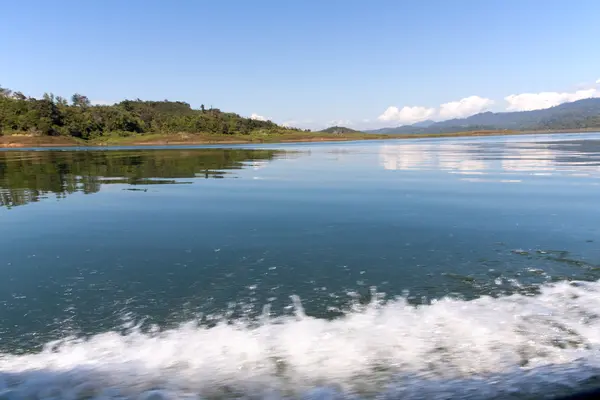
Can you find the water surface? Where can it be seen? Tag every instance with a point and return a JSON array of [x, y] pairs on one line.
[[395, 268]]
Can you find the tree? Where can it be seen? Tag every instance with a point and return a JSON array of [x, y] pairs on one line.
[[48, 97], [80, 100], [127, 105], [61, 101], [225, 129], [54, 115], [4, 92], [19, 96]]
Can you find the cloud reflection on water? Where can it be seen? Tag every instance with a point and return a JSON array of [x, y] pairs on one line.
[[573, 158]]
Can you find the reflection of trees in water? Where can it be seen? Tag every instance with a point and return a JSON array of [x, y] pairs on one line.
[[28, 176]]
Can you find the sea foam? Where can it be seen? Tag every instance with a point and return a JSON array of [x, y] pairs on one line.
[[506, 347]]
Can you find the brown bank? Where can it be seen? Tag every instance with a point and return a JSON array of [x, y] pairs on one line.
[[23, 140], [16, 141]]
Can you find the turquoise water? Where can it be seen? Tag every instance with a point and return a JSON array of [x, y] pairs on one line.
[[395, 269]]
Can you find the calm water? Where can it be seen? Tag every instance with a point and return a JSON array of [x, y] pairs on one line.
[[398, 269]]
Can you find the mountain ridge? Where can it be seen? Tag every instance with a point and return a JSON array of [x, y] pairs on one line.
[[580, 114]]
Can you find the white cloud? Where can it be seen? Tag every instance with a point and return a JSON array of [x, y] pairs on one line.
[[464, 107], [259, 117], [454, 109], [538, 101], [102, 102], [341, 122], [301, 124], [598, 82], [475, 104], [407, 115]]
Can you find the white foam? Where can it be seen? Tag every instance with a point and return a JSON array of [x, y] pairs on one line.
[[493, 347]]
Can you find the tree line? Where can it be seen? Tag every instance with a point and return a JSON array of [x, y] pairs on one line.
[[77, 117]]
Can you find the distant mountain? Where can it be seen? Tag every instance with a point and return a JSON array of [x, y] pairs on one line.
[[339, 130], [424, 124], [581, 114], [391, 131], [412, 128]]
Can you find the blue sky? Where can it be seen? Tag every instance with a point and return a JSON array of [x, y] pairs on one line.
[[310, 63]]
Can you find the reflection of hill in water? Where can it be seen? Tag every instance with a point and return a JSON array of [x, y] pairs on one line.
[[28, 176]]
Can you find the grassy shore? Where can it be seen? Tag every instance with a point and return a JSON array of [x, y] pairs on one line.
[[178, 139], [24, 140]]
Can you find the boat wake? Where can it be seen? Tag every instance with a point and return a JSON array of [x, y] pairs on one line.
[[508, 347]]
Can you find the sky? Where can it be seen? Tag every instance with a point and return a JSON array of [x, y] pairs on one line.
[[309, 63]]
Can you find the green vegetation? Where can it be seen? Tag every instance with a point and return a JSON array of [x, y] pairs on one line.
[[55, 116], [54, 121], [27, 177], [339, 130]]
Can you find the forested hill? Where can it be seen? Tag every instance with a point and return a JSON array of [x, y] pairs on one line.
[[56, 116], [339, 130], [581, 114]]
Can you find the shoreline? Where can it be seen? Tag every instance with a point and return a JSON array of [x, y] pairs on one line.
[[26, 141]]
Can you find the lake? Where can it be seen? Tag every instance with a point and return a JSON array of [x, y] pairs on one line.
[[392, 269]]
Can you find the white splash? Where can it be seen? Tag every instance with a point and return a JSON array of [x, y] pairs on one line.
[[485, 348]]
